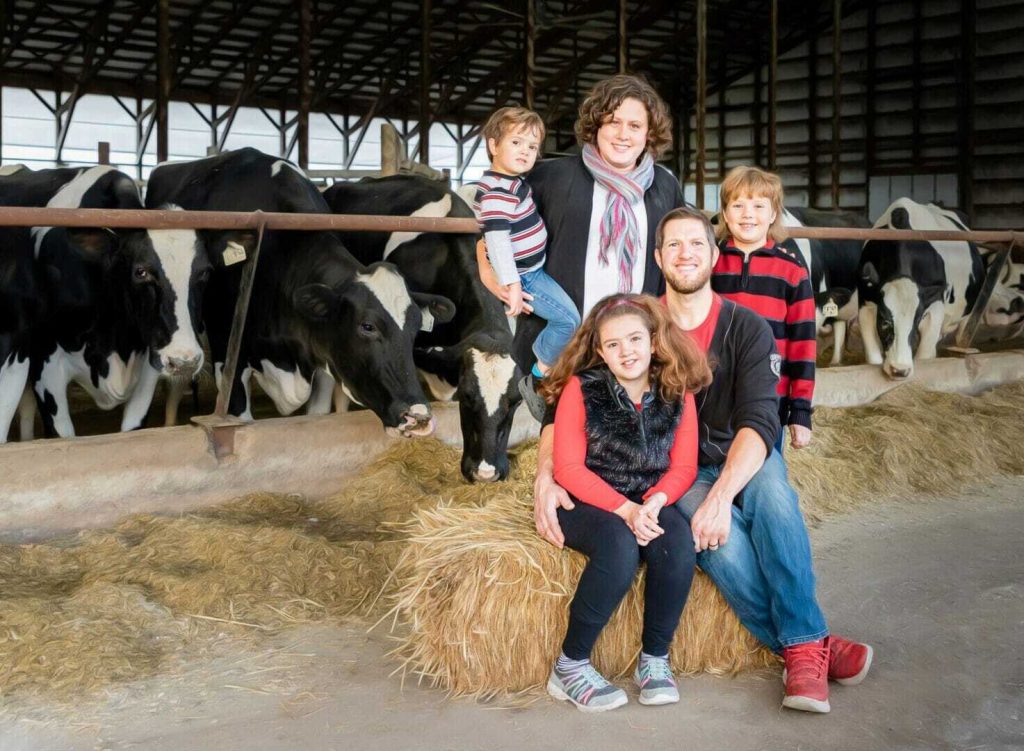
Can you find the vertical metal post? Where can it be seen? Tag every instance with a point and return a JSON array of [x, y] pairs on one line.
[[915, 105], [755, 111], [305, 92], [773, 82], [425, 82], [869, 94], [837, 96], [390, 150], [622, 56], [968, 69], [529, 58], [721, 119], [702, 75], [282, 131], [163, 75], [103, 152], [812, 110]]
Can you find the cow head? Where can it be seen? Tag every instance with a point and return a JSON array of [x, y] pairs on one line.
[[363, 329], [487, 394], [1006, 306], [159, 277], [892, 320]]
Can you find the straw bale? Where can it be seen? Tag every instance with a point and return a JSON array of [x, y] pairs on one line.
[[486, 603]]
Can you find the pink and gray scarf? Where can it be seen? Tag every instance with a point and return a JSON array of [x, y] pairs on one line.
[[619, 230]]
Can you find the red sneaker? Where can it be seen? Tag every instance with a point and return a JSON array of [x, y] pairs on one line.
[[848, 661], [806, 676]]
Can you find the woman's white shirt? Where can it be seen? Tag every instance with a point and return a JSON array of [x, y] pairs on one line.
[[601, 281]]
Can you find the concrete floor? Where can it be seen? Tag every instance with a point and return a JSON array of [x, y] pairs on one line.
[[935, 584]]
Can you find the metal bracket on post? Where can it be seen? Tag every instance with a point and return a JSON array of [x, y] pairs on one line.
[[965, 335], [220, 426]]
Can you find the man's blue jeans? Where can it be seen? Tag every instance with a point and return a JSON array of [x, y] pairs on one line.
[[764, 570]]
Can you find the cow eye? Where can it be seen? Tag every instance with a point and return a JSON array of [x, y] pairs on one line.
[[141, 274], [367, 328]]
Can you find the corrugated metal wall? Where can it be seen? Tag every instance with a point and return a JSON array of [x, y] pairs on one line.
[[908, 122]]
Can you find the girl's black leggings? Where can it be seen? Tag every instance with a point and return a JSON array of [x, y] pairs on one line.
[[613, 557]]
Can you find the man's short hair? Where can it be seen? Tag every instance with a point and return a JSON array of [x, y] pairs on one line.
[[684, 212], [512, 118]]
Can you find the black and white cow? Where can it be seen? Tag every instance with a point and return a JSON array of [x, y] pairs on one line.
[[469, 358], [1005, 309], [833, 266], [19, 312], [120, 308], [913, 292], [313, 305]]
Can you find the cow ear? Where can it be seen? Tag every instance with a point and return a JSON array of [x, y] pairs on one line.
[[869, 274], [439, 309], [841, 296], [227, 248], [314, 301], [92, 242]]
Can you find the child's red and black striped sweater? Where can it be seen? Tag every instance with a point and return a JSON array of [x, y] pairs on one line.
[[775, 284]]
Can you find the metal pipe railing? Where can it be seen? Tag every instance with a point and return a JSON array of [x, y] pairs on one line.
[[17, 216]]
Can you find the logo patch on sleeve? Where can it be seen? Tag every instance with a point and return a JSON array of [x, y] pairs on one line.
[[776, 364]]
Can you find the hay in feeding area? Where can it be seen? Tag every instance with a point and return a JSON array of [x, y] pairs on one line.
[[486, 602], [481, 602]]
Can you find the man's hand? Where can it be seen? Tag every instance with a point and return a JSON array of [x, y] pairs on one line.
[[548, 496], [711, 522], [514, 299], [490, 280], [799, 436]]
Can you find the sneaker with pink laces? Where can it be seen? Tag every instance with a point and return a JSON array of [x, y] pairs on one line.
[[848, 661], [806, 676]]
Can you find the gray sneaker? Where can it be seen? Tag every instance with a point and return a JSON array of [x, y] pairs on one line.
[[654, 678], [533, 401], [586, 688]]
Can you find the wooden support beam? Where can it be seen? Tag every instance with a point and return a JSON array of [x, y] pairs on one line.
[[773, 83], [622, 48], [305, 92], [163, 74], [966, 95], [529, 56], [915, 102], [701, 88], [424, 145], [812, 110], [837, 96]]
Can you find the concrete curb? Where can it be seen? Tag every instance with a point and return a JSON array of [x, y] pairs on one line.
[[48, 486]]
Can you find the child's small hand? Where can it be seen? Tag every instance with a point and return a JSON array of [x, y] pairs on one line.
[[799, 436], [514, 299]]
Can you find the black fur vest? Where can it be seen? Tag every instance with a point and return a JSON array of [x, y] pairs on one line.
[[627, 448]]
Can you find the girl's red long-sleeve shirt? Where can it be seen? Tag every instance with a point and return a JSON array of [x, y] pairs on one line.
[[570, 453]]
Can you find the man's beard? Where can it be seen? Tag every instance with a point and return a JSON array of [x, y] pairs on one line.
[[688, 288]]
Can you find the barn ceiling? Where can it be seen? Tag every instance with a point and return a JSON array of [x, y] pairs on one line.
[[365, 55]]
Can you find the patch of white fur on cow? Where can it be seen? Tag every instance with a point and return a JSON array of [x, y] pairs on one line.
[[10, 169], [247, 412], [70, 197], [494, 375], [348, 395], [788, 220], [436, 209], [322, 394], [467, 193], [13, 377], [485, 471], [176, 249], [868, 317], [1001, 311], [902, 299], [288, 389], [137, 406], [930, 331], [439, 388], [388, 286], [281, 164]]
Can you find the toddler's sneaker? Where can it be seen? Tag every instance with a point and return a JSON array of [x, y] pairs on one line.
[[534, 402], [654, 678], [586, 688]]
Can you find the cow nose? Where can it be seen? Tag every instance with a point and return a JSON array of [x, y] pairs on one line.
[[485, 473], [183, 365], [899, 372]]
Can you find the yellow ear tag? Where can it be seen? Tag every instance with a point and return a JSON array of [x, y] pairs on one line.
[[830, 309], [234, 253]]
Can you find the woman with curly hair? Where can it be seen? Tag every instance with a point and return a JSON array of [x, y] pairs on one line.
[[601, 207]]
